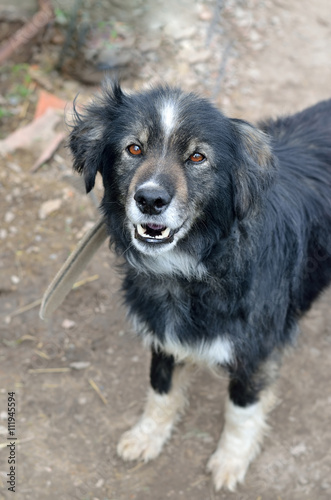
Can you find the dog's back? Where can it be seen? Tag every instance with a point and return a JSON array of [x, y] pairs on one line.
[[302, 144]]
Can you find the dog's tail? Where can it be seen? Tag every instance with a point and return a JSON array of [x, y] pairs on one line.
[[71, 269]]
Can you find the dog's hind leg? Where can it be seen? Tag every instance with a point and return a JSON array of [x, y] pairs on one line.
[[165, 402], [247, 406]]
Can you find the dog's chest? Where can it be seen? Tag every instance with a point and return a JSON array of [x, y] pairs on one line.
[[180, 318]]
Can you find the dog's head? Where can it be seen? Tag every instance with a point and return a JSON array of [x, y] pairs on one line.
[[170, 163]]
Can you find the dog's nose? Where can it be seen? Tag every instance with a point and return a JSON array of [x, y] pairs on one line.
[[152, 200]]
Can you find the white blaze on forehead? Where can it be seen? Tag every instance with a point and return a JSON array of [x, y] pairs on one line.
[[168, 117]]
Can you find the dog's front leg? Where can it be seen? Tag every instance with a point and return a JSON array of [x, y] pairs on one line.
[[165, 402], [246, 409]]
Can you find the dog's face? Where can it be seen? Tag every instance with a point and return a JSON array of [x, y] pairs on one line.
[[170, 162]]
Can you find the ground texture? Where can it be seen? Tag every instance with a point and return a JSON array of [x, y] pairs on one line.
[[255, 59]]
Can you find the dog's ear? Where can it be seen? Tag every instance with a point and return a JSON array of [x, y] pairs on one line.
[[255, 167], [88, 130]]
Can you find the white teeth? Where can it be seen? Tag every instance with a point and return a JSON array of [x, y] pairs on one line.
[[166, 232], [143, 232]]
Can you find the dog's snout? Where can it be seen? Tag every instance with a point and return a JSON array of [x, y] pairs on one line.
[[152, 200]]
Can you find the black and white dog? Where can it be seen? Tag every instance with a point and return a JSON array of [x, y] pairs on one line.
[[226, 233]]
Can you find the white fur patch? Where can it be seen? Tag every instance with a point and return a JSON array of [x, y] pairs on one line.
[[149, 184], [214, 353], [168, 117], [240, 441], [175, 263], [146, 439]]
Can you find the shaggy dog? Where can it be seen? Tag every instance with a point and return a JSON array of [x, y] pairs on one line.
[[225, 231]]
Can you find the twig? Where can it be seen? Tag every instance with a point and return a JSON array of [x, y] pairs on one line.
[[42, 354], [25, 308], [97, 390], [29, 30], [86, 280], [37, 302], [49, 370]]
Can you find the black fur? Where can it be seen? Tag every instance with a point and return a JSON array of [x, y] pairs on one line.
[[261, 224], [162, 367]]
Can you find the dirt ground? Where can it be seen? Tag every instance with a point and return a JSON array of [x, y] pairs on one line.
[[256, 59]]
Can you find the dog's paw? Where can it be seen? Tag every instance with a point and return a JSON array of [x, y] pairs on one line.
[[143, 442], [227, 470]]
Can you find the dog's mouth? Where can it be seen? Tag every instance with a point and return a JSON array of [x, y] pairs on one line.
[[154, 233]]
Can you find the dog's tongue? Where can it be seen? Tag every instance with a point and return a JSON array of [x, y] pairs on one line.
[[155, 227]]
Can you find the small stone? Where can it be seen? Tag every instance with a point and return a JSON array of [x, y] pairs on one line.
[[206, 14], [48, 207], [15, 279], [3, 234], [67, 324], [299, 449], [100, 483], [3, 430], [9, 217], [79, 365], [33, 249]]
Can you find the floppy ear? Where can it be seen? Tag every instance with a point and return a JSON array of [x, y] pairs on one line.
[[255, 168], [87, 134]]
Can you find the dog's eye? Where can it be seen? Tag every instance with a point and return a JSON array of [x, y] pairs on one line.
[[197, 157], [134, 149]]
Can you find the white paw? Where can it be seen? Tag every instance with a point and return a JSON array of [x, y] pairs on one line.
[[227, 470], [143, 442]]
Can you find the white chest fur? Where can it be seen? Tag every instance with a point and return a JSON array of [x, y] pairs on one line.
[[172, 263]]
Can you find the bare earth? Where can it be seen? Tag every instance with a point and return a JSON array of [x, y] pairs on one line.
[[67, 434]]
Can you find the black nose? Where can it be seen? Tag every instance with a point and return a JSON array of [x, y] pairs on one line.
[[152, 200]]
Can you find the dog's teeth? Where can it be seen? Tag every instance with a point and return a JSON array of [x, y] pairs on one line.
[[144, 233], [166, 232], [141, 230]]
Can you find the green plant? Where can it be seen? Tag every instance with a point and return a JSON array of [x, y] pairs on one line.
[[4, 113]]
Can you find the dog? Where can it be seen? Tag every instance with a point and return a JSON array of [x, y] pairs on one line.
[[224, 231]]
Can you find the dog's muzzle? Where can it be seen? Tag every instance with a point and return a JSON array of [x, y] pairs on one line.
[[153, 201]]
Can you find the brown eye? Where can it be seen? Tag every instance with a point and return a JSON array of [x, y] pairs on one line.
[[197, 157], [134, 149]]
